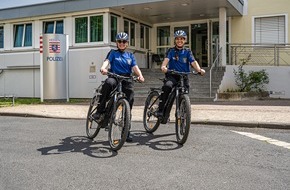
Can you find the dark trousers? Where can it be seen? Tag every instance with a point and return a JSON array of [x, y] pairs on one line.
[[109, 85], [171, 80]]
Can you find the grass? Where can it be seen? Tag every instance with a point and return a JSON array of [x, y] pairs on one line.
[[18, 101], [28, 101]]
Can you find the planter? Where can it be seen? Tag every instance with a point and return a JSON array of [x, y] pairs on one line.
[[238, 96]]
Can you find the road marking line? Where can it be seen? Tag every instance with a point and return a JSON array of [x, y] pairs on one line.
[[266, 139]]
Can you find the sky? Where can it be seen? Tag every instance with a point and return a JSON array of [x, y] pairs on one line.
[[15, 3]]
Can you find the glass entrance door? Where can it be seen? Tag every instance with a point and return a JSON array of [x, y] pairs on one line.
[[199, 43]]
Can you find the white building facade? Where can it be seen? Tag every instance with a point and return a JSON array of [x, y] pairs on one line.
[[91, 26]]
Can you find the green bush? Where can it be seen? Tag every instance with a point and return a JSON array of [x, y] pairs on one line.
[[252, 81]]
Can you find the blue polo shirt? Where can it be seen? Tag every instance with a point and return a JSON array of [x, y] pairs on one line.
[[179, 60], [121, 62]]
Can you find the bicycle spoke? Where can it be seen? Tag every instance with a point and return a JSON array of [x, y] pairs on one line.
[[182, 124], [117, 125], [92, 128], [120, 124], [150, 121]]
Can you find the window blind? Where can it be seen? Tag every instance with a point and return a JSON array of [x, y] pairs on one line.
[[270, 30]]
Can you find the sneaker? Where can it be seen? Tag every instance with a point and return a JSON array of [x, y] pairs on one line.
[[129, 137]]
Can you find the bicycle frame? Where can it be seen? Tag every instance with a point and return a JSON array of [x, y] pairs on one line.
[[116, 118], [178, 90], [115, 95], [152, 119]]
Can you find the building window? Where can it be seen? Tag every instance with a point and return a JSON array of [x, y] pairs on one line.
[[163, 35], [144, 37], [270, 30], [89, 29], [114, 28], [129, 28], [81, 29], [53, 27], [163, 39], [1, 37], [96, 28], [23, 35], [147, 35]]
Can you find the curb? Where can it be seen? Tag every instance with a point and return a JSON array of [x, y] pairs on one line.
[[37, 116], [200, 122]]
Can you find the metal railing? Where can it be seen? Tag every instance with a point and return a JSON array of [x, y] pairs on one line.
[[9, 96], [260, 54], [216, 64]]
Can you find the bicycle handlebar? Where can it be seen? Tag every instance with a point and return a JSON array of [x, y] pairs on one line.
[[183, 73], [135, 79]]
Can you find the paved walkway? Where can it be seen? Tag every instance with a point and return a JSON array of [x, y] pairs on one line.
[[259, 113]]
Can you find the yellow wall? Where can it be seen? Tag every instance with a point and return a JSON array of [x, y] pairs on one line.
[[241, 30]]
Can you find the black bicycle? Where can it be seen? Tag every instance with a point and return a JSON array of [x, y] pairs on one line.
[[117, 117], [179, 93]]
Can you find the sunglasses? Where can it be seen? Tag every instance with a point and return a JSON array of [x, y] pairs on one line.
[[122, 41]]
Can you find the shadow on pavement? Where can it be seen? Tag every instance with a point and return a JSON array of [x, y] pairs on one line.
[[143, 138], [80, 144], [101, 149]]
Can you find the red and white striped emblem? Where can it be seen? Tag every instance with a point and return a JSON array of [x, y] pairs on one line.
[[40, 45]]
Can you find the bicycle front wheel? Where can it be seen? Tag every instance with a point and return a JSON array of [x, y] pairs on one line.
[[182, 122], [119, 124], [92, 128], [150, 121]]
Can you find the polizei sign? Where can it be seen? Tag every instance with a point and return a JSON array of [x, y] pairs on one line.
[[54, 68]]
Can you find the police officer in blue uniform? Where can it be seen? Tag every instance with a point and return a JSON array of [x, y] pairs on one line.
[[121, 63], [179, 59]]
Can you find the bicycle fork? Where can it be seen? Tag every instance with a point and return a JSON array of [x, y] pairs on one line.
[[177, 110], [177, 100]]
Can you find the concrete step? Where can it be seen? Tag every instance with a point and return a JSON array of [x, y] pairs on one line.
[[199, 86]]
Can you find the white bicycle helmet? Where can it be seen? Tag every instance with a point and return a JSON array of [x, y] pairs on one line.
[[122, 36], [180, 33]]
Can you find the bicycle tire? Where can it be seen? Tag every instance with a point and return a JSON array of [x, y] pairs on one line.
[[150, 121], [182, 124], [119, 124], [92, 128]]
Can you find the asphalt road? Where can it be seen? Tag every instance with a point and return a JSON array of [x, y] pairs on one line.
[[40, 153]]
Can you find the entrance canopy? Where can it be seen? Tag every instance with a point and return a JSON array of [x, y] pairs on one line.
[[152, 11], [181, 10]]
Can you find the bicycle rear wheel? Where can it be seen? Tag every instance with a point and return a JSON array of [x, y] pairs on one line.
[[92, 128], [119, 124], [150, 121], [182, 123]]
